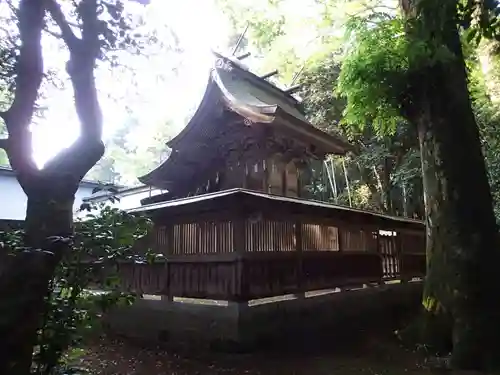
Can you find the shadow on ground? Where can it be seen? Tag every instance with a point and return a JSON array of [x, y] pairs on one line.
[[361, 343], [376, 355]]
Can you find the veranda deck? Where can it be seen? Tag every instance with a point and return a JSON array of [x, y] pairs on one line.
[[241, 245]]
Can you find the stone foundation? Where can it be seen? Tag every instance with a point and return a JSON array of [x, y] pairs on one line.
[[337, 315]]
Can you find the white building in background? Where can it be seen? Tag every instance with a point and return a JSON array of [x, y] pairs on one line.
[[127, 197], [13, 201]]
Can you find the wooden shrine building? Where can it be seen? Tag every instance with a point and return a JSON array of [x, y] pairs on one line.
[[233, 225], [246, 134]]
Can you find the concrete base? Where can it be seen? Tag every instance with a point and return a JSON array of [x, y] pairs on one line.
[[338, 315]]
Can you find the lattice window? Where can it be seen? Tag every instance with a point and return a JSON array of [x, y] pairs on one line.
[[317, 237], [356, 240], [202, 238], [269, 236]]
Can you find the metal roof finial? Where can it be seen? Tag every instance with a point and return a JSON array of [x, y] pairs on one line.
[[240, 39]]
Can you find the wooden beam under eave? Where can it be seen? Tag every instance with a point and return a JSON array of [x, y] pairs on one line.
[[293, 89], [244, 56], [270, 74]]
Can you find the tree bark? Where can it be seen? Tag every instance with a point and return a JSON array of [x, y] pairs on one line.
[[49, 217], [462, 239], [24, 282], [387, 191]]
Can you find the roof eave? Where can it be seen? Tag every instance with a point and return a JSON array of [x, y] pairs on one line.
[[200, 113], [330, 143], [398, 223]]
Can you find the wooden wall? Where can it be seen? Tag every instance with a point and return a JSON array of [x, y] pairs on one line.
[[271, 175], [259, 257]]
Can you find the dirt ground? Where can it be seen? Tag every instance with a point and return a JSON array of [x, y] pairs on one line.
[[373, 357]]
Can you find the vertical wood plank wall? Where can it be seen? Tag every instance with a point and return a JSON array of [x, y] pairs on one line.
[[214, 259], [271, 175]]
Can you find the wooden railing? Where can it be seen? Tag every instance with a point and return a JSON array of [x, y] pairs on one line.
[[232, 254], [242, 277]]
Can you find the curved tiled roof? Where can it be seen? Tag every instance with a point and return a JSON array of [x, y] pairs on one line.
[[232, 87]]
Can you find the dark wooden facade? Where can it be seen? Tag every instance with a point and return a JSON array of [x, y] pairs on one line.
[[246, 133], [240, 245], [232, 225]]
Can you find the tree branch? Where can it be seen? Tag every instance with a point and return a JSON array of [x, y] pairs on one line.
[[59, 18], [54, 34], [29, 69], [88, 149], [78, 158], [82, 62], [90, 27], [4, 143]]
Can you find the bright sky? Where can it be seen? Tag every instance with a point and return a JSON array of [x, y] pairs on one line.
[[154, 93]]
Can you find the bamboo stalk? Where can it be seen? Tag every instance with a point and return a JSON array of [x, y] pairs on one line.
[[325, 163], [347, 182], [335, 189]]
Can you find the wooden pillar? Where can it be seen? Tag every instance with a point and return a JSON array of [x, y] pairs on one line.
[[399, 255], [239, 175], [246, 175], [275, 176], [300, 176], [292, 179], [167, 295], [300, 269], [265, 179], [377, 240], [239, 241], [339, 239], [240, 305]]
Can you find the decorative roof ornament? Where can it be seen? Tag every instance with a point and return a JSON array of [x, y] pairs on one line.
[[223, 64]]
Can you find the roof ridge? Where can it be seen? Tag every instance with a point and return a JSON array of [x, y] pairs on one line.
[[261, 81], [268, 196]]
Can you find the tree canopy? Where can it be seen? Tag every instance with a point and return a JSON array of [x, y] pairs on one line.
[[414, 86], [408, 87]]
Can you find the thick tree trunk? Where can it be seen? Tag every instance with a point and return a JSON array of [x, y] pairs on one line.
[[25, 280], [48, 236], [462, 239], [49, 217], [462, 248]]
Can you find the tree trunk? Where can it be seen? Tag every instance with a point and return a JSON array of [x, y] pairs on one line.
[[387, 186], [462, 239], [49, 218], [24, 282], [405, 199]]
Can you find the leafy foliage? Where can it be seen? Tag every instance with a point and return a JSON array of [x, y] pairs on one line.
[[322, 105], [384, 172], [127, 156], [378, 68], [374, 74], [74, 306], [487, 114]]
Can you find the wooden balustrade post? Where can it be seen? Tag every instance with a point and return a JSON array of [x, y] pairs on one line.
[[382, 259], [240, 283], [339, 239], [340, 242], [167, 295], [399, 256], [300, 268], [240, 307]]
